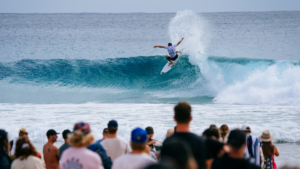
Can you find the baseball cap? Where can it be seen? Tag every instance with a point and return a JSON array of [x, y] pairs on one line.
[[65, 133], [51, 132], [149, 130], [138, 135], [112, 123], [246, 128], [83, 127], [3, 134], [237, 138]]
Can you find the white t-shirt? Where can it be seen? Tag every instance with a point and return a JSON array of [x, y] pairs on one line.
[[31, 162], [115, 147], [82, 158], [171, 50], [133, 161]]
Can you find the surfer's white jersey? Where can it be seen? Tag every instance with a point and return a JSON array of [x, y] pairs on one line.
[[171, 50]]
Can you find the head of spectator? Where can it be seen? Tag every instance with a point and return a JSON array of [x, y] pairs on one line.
[[177, 154], [65, 134], [237, 143], [105, 133], [112, 127], [138, 140], [183, 116], [224, 130], [24, 148], [267, 147], [246, 129], [52, 136], [4, 144], [150, 133], [81, 136], [170, 132], [212, 133], [23, 133], [213, 126]]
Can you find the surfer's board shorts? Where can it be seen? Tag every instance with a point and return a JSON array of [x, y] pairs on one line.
[[173, 58]]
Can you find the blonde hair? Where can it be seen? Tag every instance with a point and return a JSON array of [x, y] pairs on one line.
[[78, 139], [224, 130]]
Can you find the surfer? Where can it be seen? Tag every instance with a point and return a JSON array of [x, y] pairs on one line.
[[172, 51]]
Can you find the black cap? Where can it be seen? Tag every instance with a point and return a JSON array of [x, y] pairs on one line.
[[149, 130], [65, 133], [169, 44], [237, 139], [112, 123], [51, 132], [105, 130], [3, 134]]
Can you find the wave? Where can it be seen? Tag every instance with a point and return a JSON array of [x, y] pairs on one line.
[[225, 80]]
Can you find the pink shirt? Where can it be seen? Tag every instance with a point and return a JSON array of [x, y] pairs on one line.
[[82, 158]]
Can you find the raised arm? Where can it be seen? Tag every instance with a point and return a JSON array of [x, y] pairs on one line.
[[158, 47], [180, 41]]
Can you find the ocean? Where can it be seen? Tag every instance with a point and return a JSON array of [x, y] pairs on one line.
[[236, 68]]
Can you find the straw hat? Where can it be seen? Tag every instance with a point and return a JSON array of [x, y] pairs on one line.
[[266, 136]]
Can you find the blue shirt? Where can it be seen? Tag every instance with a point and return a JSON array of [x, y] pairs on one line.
[[94, 146]]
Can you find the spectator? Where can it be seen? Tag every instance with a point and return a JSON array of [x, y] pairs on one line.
[[94, 146], [151, 142], [137, 158], [26, 156], [235, 158], [213, 144], [176, 153], [5, 160], [66, 145], [213, 126], [253, 150], [224, 130], [170, 132], [269, 150], [114, 146], [50, 152], [197, 144], [22, 133], [78, 156]]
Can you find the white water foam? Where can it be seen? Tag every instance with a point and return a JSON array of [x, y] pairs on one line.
[[258, 82]]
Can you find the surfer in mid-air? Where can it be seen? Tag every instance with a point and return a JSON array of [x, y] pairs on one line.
[[172, 51]]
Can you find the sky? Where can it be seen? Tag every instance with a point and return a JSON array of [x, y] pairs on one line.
[[147, 6]]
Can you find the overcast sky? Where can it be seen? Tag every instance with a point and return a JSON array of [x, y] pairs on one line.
[[148, 6]]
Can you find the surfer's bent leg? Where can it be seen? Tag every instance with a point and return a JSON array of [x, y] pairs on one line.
[[169, 59]]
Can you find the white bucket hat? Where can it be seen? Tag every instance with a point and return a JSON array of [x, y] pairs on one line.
[[266, 136]]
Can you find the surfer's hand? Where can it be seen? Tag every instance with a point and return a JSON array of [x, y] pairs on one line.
[[154, 46], [182, 38]]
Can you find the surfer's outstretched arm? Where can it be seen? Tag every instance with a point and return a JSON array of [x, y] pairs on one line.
[[180, 41], [158, 47]]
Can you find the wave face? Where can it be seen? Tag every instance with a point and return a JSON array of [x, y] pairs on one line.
[[138, 79]]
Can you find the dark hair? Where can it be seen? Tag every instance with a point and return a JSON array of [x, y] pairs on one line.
[[213, 126], [65, 133], [105, 130], [24, 152], [268, 149], [112, 130], [169, 44], [4, 144], [176, 153], [211, 132], [182, 112], [236, 139], [138, 146]]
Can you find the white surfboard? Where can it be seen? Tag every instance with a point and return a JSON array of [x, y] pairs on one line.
[[168, 67]]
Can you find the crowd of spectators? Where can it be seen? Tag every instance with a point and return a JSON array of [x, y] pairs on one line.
[[216, 148]]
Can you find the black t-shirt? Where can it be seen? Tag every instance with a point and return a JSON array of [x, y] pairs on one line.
[[214, 147], [226, 162], [197, 145]]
